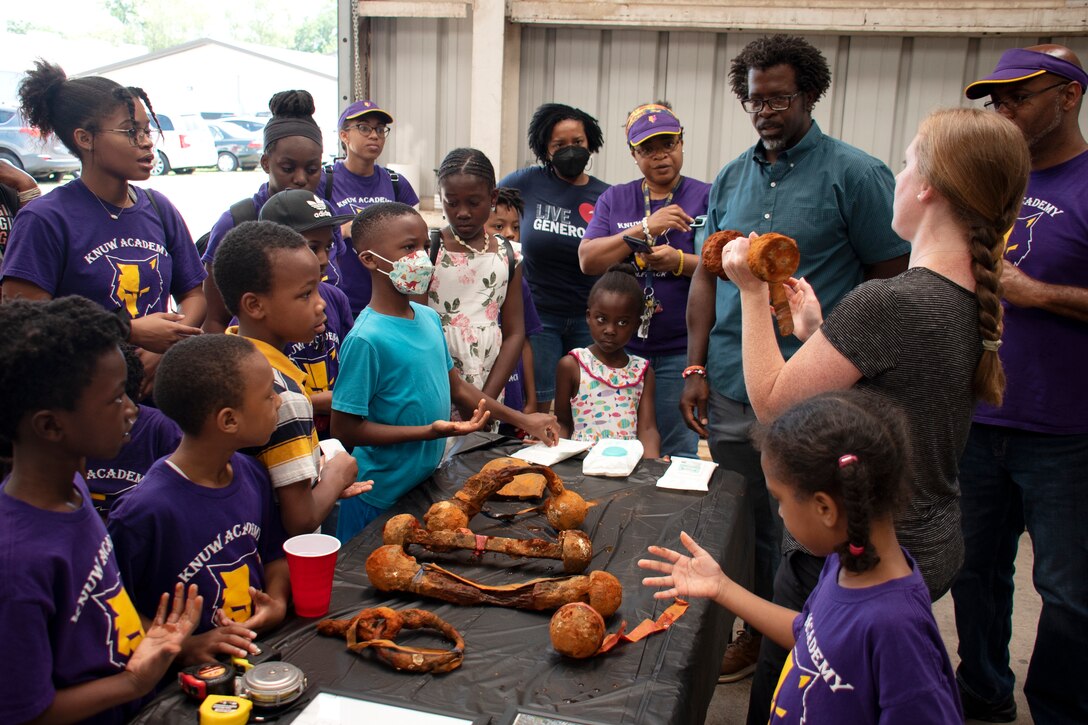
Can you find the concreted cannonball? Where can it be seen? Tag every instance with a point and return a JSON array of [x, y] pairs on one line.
[[577, 630]]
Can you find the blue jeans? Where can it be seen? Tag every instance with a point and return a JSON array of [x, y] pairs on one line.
[[559, 336], [1011, 478], [355, 514], [676, 438]]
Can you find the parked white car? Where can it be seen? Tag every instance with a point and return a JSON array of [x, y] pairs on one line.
[[186, 144]]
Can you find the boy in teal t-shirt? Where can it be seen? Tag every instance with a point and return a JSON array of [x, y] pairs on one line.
[[397, 380]]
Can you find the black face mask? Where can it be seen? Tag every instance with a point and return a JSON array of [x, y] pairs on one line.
[[570, 161]]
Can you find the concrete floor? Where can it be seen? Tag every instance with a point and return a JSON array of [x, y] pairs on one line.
[[730, 703]]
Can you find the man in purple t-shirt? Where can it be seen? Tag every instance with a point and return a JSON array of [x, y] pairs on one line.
[[1025, 461]]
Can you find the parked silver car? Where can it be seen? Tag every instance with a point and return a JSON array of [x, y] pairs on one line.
[[21, 145]]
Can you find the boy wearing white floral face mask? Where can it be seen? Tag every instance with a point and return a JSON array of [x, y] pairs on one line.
[[397, 379]]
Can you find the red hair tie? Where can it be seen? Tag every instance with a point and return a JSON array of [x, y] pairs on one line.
[[847, 460], [856, 550]]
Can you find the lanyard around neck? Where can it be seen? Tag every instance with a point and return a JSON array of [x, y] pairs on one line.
[[646, 194]]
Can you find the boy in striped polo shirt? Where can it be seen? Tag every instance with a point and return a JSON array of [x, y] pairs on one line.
[[268, 277]]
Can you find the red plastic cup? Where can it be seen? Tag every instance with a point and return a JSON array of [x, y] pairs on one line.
[[311, 559]]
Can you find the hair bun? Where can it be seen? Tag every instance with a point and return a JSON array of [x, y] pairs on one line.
[[298, 104], [624, 268], [38, 94]]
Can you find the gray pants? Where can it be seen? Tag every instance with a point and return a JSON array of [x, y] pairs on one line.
[[731, 449]]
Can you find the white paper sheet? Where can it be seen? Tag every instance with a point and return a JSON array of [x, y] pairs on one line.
[[549, 456], [687, 474], [329, 709]]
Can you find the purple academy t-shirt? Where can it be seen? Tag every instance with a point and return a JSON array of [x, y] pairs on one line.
[[351, 194], [320, 359], [623, 207], [169, 529], [153, 436], [67, 244], [555, 219], [867, 656], [225, 223], [1046, 390], [65, 617]]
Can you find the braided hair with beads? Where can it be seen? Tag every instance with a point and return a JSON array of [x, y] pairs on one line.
[[855, 451]]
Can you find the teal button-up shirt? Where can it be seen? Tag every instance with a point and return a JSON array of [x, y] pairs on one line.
[[834, 199]]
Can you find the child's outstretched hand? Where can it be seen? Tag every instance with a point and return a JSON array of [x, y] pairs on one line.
[[447, 428], [697, 575], [268, 611], [163, 639], [356, 488]]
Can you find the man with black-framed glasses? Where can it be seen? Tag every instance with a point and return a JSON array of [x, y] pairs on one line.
[[1025, 461], [836, 201]]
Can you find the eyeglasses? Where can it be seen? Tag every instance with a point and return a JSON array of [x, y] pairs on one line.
[[1014, 102], [666, 145], [136, 135], [778, 103], [380, 131]]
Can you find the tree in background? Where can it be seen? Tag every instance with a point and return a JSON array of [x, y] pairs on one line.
[[160, 24]]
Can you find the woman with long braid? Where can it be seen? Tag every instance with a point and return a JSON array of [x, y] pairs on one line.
[[925, 341]]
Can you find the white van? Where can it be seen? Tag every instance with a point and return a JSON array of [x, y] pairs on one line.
[[186, 144]]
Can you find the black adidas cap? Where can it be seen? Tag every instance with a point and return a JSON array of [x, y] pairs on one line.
[[301, 210]]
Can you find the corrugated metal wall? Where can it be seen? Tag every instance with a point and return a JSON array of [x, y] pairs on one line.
[[882, 86]]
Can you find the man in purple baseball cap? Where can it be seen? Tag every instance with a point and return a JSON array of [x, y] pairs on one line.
[[1025, 461]]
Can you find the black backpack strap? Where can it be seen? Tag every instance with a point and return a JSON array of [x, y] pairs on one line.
[[155, 206], [436, 242], [511, 262], [328, 183], [395, 178], [243, 211], [240, 211]]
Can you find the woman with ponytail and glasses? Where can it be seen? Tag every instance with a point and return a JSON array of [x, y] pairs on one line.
[[925, 341], [125, 248]]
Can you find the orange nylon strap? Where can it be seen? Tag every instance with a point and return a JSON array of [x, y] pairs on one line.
[[646, 627]]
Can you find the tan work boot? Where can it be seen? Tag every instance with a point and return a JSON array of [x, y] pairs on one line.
[[740, 657]]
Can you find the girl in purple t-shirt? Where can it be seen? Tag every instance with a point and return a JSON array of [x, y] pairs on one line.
[[292, 160], [125, 248], [865, 647]]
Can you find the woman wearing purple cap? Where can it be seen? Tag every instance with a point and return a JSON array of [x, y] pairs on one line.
[[358, 181], [559, 198], [657, 209], [125, 248]]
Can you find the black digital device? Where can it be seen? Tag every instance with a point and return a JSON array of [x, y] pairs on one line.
[[637, 244]]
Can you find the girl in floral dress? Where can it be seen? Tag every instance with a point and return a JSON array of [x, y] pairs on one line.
[[600, 390], [473, 272]]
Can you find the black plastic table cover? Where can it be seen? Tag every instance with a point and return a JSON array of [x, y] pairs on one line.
[[665, 678]]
